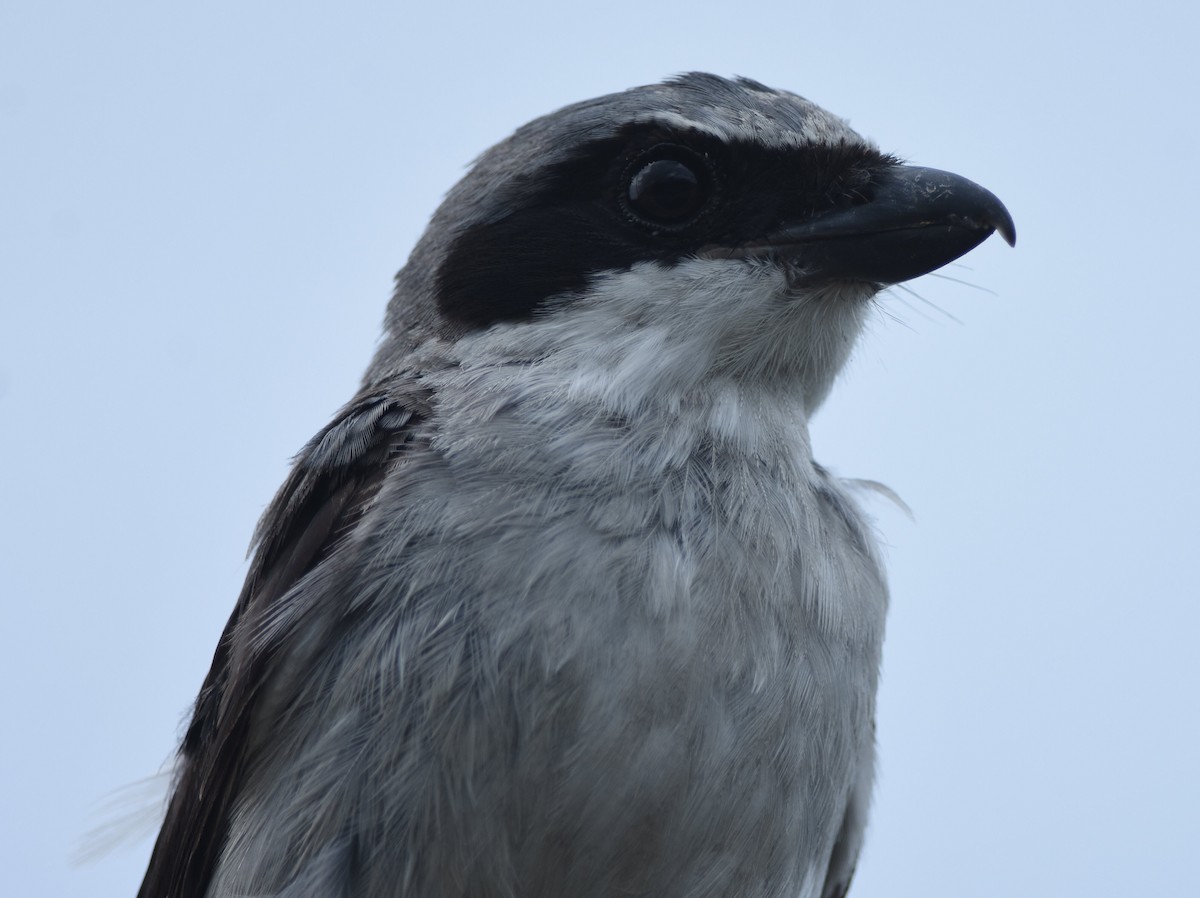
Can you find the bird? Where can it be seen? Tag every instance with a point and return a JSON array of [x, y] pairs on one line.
[[560, 603]]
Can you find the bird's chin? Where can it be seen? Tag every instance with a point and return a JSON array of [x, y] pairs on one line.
[[802, 279], [806, 283]]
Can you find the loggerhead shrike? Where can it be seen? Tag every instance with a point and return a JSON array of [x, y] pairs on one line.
[[560, 604]]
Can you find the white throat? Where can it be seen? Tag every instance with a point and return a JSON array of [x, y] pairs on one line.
[[652, 337]]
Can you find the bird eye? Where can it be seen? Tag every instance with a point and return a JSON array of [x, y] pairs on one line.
[[668, 191]]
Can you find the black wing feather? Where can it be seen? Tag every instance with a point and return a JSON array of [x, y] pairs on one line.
[[334, 480]]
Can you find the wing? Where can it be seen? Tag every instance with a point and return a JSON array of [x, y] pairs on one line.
[[333, 482]]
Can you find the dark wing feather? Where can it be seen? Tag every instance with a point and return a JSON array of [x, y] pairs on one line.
[[334, 480]]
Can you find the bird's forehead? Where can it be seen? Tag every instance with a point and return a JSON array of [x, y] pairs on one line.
[[745, 112], [729, 110]]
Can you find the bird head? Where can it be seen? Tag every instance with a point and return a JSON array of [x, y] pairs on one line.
[[740, 231]]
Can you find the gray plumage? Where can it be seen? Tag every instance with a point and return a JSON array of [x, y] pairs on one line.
[[560, 604]]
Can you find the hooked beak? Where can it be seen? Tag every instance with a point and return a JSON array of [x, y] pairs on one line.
[[916, 221]]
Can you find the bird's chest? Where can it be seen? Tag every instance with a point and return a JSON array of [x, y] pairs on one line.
[[711, 639], [675, 567], [758, 568], [690, 634], [738, 598]]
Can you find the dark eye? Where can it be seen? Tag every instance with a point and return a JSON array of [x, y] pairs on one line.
[[669, 191]]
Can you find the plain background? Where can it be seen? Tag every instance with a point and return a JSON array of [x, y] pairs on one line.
[[201, 209]]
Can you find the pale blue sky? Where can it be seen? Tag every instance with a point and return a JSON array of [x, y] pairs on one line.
[[201, 209]]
